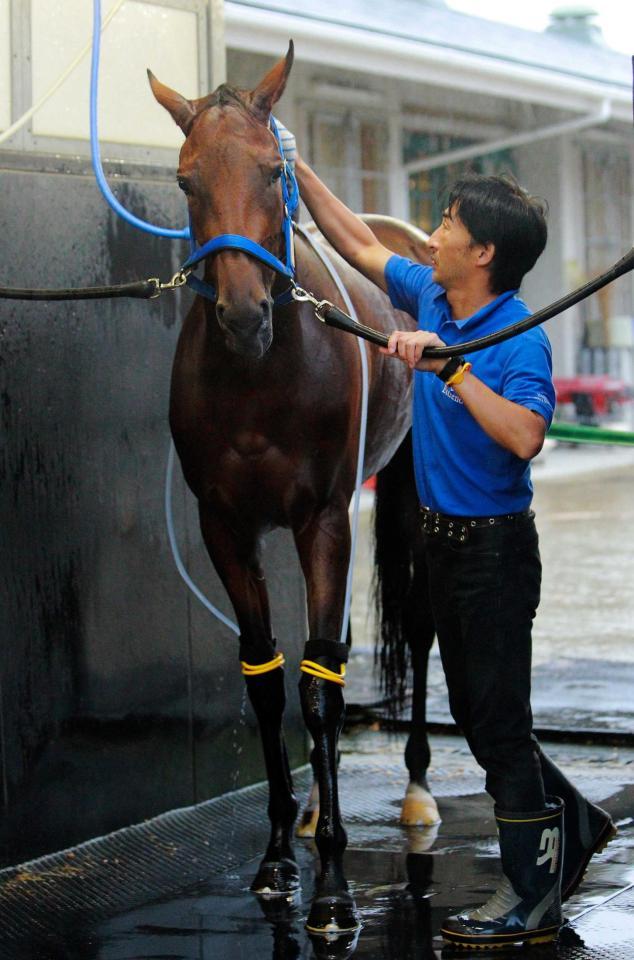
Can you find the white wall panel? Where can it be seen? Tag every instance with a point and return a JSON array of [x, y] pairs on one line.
[[5, 65], [141, 35]]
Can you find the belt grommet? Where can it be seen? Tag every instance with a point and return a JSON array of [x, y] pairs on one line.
[[450, 534], [436, 529], [473, 523], [462, 538], [491, 521]]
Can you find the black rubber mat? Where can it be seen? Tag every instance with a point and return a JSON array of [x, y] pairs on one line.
[[176, 887], [138, 864]]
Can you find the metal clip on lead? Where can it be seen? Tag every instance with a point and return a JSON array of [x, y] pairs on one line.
[[178, 280]]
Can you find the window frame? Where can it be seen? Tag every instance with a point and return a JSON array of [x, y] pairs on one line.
[[25, 141]]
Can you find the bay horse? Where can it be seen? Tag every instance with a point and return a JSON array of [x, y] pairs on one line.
[[264, 412]]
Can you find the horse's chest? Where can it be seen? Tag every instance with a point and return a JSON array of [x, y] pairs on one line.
[[250, 445], [242, 467]]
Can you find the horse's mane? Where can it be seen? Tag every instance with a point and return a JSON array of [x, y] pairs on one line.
[[227, 96]]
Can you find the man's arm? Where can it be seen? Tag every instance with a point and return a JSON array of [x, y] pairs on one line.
[[347, 233], [511, 425]]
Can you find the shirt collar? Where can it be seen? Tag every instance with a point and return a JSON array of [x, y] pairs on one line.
[[479, 315]]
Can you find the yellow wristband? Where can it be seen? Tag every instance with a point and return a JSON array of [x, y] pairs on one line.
[[458, 376]]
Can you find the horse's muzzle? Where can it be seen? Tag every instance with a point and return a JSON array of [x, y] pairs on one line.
[[248, 333]]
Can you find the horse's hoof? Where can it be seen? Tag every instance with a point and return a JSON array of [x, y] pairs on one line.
[[308, 823], [276, 878], [332, 915], [419, 808], [281, 908], [420, 840], [333, 946]]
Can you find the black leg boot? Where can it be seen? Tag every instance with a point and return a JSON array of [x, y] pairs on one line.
[[587, 828], [526, 907]]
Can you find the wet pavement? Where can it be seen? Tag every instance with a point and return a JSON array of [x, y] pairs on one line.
[[583, 637], [176, 888]]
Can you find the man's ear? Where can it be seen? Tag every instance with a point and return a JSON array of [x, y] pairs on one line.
[[485, 254]]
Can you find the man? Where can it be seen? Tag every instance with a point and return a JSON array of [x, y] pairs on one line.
[[476, 426]]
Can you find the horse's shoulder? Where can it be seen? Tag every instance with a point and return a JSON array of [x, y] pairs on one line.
[[398, 235]]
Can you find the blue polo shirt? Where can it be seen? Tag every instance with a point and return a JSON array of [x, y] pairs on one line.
[[459, 469]]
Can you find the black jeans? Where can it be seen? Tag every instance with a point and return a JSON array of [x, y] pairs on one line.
[[484, 594]]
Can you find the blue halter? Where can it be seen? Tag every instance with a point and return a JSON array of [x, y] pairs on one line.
[[233, 241]]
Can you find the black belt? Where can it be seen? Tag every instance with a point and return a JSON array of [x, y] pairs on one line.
[[459, 528]]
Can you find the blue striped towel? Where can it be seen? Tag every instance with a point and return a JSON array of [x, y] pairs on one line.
[[289, 146]]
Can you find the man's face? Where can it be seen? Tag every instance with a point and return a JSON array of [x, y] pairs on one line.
[[452, 251]]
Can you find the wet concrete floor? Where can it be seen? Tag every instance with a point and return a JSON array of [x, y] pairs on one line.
[[179, 896], [405, 881]]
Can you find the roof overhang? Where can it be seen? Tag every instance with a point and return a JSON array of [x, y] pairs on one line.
[[348, 47]]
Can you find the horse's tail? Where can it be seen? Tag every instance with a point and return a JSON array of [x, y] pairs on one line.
[[400, 580]]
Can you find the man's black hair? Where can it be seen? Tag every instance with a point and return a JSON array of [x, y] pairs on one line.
[[497, 210]]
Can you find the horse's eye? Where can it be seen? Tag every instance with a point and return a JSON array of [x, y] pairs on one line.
[[183, 184], [277, 174]]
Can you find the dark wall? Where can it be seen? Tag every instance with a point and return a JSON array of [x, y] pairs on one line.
[[121, 696]]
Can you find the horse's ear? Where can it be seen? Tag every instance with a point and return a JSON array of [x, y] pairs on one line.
[[182, 111], [271, 87]]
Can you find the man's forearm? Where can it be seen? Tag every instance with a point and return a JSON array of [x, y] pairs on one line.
[[514, 427]]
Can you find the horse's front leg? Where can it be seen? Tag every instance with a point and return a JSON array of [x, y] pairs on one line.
[[236, 558], [323, 545]]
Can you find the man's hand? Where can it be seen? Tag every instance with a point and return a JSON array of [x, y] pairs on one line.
[[408, 346]]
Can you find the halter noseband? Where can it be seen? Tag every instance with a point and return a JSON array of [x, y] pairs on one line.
[[234, 241]]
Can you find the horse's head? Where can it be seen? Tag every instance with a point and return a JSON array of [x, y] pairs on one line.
[[230, 170]]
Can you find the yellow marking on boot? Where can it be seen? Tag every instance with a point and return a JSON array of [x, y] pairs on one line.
[[498, 946], [323, 673], [538, 935], [255, 669], [550, 816]]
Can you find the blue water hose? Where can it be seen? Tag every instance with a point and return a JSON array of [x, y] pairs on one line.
[[94, 144], [157, 232], [180, 566], [182, 235]]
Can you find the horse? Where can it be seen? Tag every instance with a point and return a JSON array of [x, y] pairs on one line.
[[264, 412]]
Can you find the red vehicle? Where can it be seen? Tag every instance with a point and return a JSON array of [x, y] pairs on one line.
[[594, 396]]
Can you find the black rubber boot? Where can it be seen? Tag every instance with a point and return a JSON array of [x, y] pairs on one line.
[[587, 828], [526, 907]]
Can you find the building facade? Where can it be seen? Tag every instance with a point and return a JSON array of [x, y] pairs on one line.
[[110, 673], [389, 101]]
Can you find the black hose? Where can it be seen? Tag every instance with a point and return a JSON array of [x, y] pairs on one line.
[[336, 318]]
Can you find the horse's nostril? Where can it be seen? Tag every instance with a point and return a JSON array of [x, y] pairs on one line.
[[220, 310], [265, 307]]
